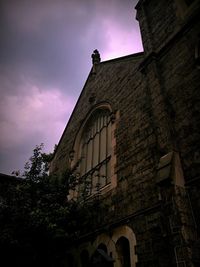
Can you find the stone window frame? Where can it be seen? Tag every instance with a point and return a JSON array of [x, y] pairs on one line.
[[76, 159]]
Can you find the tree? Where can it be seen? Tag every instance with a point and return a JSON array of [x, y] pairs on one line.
[[37, 221]]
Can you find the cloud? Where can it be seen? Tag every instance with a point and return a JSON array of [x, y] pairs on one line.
[[36, 117], [45, 40], [33, 113], [120, 40], [45, 57]]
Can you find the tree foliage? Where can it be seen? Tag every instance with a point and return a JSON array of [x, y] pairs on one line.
[[37, 221]]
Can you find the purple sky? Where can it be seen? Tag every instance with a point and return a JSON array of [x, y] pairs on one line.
[[45, 58]]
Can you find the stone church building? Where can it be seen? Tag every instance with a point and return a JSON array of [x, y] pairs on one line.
[[133, 139]]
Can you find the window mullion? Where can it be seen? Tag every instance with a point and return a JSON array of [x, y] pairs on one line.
[[99, 150], [106, 149], [92, 140], [86, 156], [100, 140]]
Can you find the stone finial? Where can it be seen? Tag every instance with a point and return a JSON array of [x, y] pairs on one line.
[[96, 57]]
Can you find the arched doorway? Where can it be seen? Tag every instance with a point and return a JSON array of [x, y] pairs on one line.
[[123, 252]]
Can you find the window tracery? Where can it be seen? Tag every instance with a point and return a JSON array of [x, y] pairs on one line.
[[95, 151]]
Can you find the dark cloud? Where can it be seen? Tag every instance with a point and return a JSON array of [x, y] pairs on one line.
[[45, 57], [47, 40]]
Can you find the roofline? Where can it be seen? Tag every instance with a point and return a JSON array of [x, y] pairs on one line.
[[103, 62], [123, 57], [139, 3]]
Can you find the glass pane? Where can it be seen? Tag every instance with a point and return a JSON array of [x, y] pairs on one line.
[[95, 181], [96, 150], [102, 177], [87, 184], [83, 160], [81, 186], [86, 137], [109, 139], [104, 121], [89, 156], [92, 130], [108, 172], [101, 122], [95, 127], [90, 133], [103, 144], [98, 123]]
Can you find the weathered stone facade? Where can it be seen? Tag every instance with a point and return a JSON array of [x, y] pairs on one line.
[[154, 102]]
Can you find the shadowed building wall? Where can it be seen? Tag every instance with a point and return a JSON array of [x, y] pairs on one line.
[[138, 117]]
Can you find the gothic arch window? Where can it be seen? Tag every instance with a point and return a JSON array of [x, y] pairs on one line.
[[95, 150], [94, 157]]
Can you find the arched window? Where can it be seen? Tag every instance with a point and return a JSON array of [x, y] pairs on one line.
[[93, 156], [95, 151], [123, 251]]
